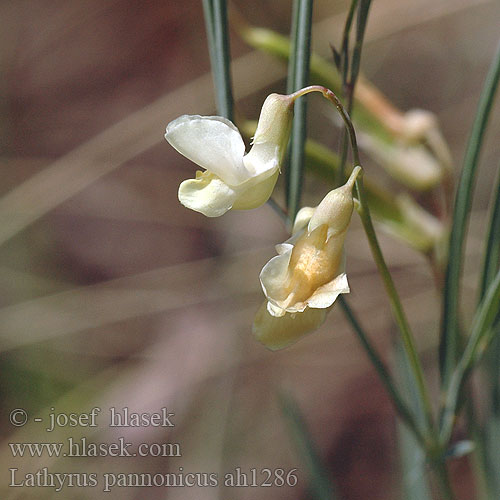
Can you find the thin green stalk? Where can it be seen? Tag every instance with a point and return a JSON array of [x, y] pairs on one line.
[[401, 407], [290, 81], [321, 485], [449, 332], [344, 51], [400, 317], [360, 35], [222, 68], [343, 68], [481, 336], [350, 70], [300, 63], [208, 14]]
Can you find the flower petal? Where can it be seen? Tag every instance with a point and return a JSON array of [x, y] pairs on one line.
[[279, 332], [262, 158], [324, 296], [213, 143], [256, 191], [207, 194], [273, 276], [302, 219]]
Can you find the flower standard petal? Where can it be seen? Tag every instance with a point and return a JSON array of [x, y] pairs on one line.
[[213, 143]]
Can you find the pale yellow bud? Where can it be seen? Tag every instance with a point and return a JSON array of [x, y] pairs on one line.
[[336, 208]]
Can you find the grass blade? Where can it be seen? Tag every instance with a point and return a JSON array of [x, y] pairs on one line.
[[449, 331], [300, 63], [321, 485]]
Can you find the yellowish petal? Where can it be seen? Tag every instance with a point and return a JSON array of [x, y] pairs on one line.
[[302, 219], [207, 194], [279, 332], [324, 296], [256, 191]]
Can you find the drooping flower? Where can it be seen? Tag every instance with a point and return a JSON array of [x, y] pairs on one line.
[[308, 274], [279, 332], [232, 179]]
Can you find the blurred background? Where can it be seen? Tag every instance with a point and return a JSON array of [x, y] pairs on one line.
[[114, 295]]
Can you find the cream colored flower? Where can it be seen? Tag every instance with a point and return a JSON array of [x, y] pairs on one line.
[[232, 179], [309, 270], [303, 281]]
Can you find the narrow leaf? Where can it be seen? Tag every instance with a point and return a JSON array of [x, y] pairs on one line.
[[449, 331]]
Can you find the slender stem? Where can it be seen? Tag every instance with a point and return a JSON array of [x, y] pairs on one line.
[[300, 65], [449, 330], [222, 68], [401, 320], [360, 35], [208, 13], [384, 374], [290, 81]]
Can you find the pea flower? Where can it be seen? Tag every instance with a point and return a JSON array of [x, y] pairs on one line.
[[232, 179], [308, 274]]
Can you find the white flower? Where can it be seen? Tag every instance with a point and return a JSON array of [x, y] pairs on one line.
[[309, 270], [232, 179]]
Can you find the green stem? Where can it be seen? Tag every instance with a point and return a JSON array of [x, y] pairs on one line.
[[449, 330], [401, 320], [222, 68], [401, 407], [349, 78], [300, 65], [492, 251]]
